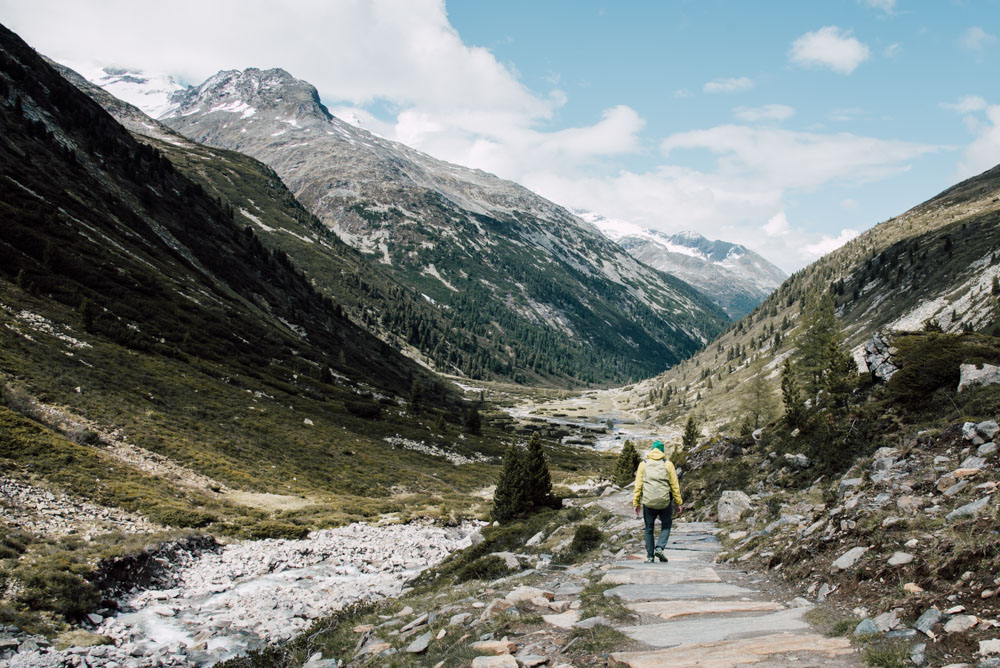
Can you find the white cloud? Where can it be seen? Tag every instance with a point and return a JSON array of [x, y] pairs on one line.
[[828, 244], [829, 47], [976, 39], [893, 50], [966, 105], [768, 112], [777, 225], [846, 114], [886, 6], [849, 204], [731, 85], [984, 151]]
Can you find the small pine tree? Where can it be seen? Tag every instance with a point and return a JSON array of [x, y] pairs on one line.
[[625, 466], [538, 481], [510, 498], [691, 434], [86, 311], [795, 408]]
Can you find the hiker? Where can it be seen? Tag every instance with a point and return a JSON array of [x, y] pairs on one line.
[[656, 487]]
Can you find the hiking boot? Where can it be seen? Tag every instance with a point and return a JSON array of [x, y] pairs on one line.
[[650, 560], [659, 555]]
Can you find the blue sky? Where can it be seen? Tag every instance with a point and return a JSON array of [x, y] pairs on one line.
[[787, 126]]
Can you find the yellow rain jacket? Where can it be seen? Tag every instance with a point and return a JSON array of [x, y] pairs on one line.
[[656, 482]]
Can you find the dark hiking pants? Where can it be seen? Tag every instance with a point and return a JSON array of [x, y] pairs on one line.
[[666, 517]]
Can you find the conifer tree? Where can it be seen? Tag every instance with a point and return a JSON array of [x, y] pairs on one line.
[[510, 498], [625, 466], [691, 434], [795, 409], [472, 421], [819, 333], [758, 396], [538, 481]]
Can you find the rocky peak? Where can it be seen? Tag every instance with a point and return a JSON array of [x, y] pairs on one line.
[[249, 91]]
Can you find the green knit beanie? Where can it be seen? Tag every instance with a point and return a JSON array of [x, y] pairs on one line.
[[658, 445]]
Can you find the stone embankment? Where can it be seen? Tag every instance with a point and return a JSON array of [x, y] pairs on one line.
[[905, 540], [211, 605]]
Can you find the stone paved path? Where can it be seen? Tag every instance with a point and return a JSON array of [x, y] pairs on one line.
[[694, 612]]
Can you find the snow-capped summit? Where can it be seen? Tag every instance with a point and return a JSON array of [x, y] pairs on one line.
[[737, 278], [153, 93]]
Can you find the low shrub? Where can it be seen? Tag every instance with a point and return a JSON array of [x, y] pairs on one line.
[[58, 591], [271, 529], [586, 537], [485, 568]]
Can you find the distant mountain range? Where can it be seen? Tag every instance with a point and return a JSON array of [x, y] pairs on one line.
[[737, 278], [520, 288]]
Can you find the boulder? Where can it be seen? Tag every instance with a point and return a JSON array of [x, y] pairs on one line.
[[878, 356], [988, 429], [973, 463], [960, 623], [531, 660], [986, 449], [798, 461], [925, 623], [460, 618], [900, 559], [888, 621], [972, 374], [956, 488], [528, 593], [419, 645], [969, 509], [732, 505], [503, 661], [536, 539], [867, 627], [989, 647], [849, 558], [495, 646], [497, 606]]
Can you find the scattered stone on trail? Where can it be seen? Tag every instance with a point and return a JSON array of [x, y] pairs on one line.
[[918, 654], [925, 623], [900, 558], [405, 612], [497, 606], [460, 618], [504, 646], [960, 623], [989, 647], [732, 505], [591, 622], [737, 535], [888, 621], [988, 429], [528, 593], [503, 661], [866, 627], [913, 588], [986, 449], [420, 644], [734, 652], [969, 509], [531, 660], [824, 591], [565, 620], [849, 558]]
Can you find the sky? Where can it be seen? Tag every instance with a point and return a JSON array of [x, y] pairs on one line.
[[787, 126]]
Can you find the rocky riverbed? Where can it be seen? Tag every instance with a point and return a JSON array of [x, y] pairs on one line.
[[211, 606]]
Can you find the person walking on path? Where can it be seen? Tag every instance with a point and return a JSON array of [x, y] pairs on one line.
[[657, 489]]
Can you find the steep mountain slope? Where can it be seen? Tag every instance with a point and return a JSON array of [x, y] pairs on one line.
[[737, 278], [140, 317], [936, 262], [532, 290]]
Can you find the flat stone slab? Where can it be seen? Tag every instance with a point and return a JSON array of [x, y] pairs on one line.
[[665, 574], [630, 593], [673, 609], [565, 620], [746, 651], [694, 631]]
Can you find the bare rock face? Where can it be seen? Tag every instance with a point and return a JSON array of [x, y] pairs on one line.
[[972, 374], [879, 357], [732, 505]]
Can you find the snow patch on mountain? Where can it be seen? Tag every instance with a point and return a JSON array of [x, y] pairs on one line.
[[150, 92]]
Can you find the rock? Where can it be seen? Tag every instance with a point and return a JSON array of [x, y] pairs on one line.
[[591, 622], [508, 558], [918, 654], [960, 623], [964, 473], [497, 606], [925, 623], [956, 488], [910, 504], [969, 509], [737, 535], [505, 661], [405, 612], [307, 422], [799, 460], [913, 588], [867, 627], [528, 593], [847, 484], [732, 505], [495, 646], [989, 647], [536, 539], [973, 463], [969, 430], [418, 621], [986, 449], [420, 644], [824, 591], [460, 618], [878, 357], [94, 619], [901, 634], [888, 621], [945, 481], [988, 429], [363, 628], [883, 463], [849, 558], [531, 660], [900, 558]]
